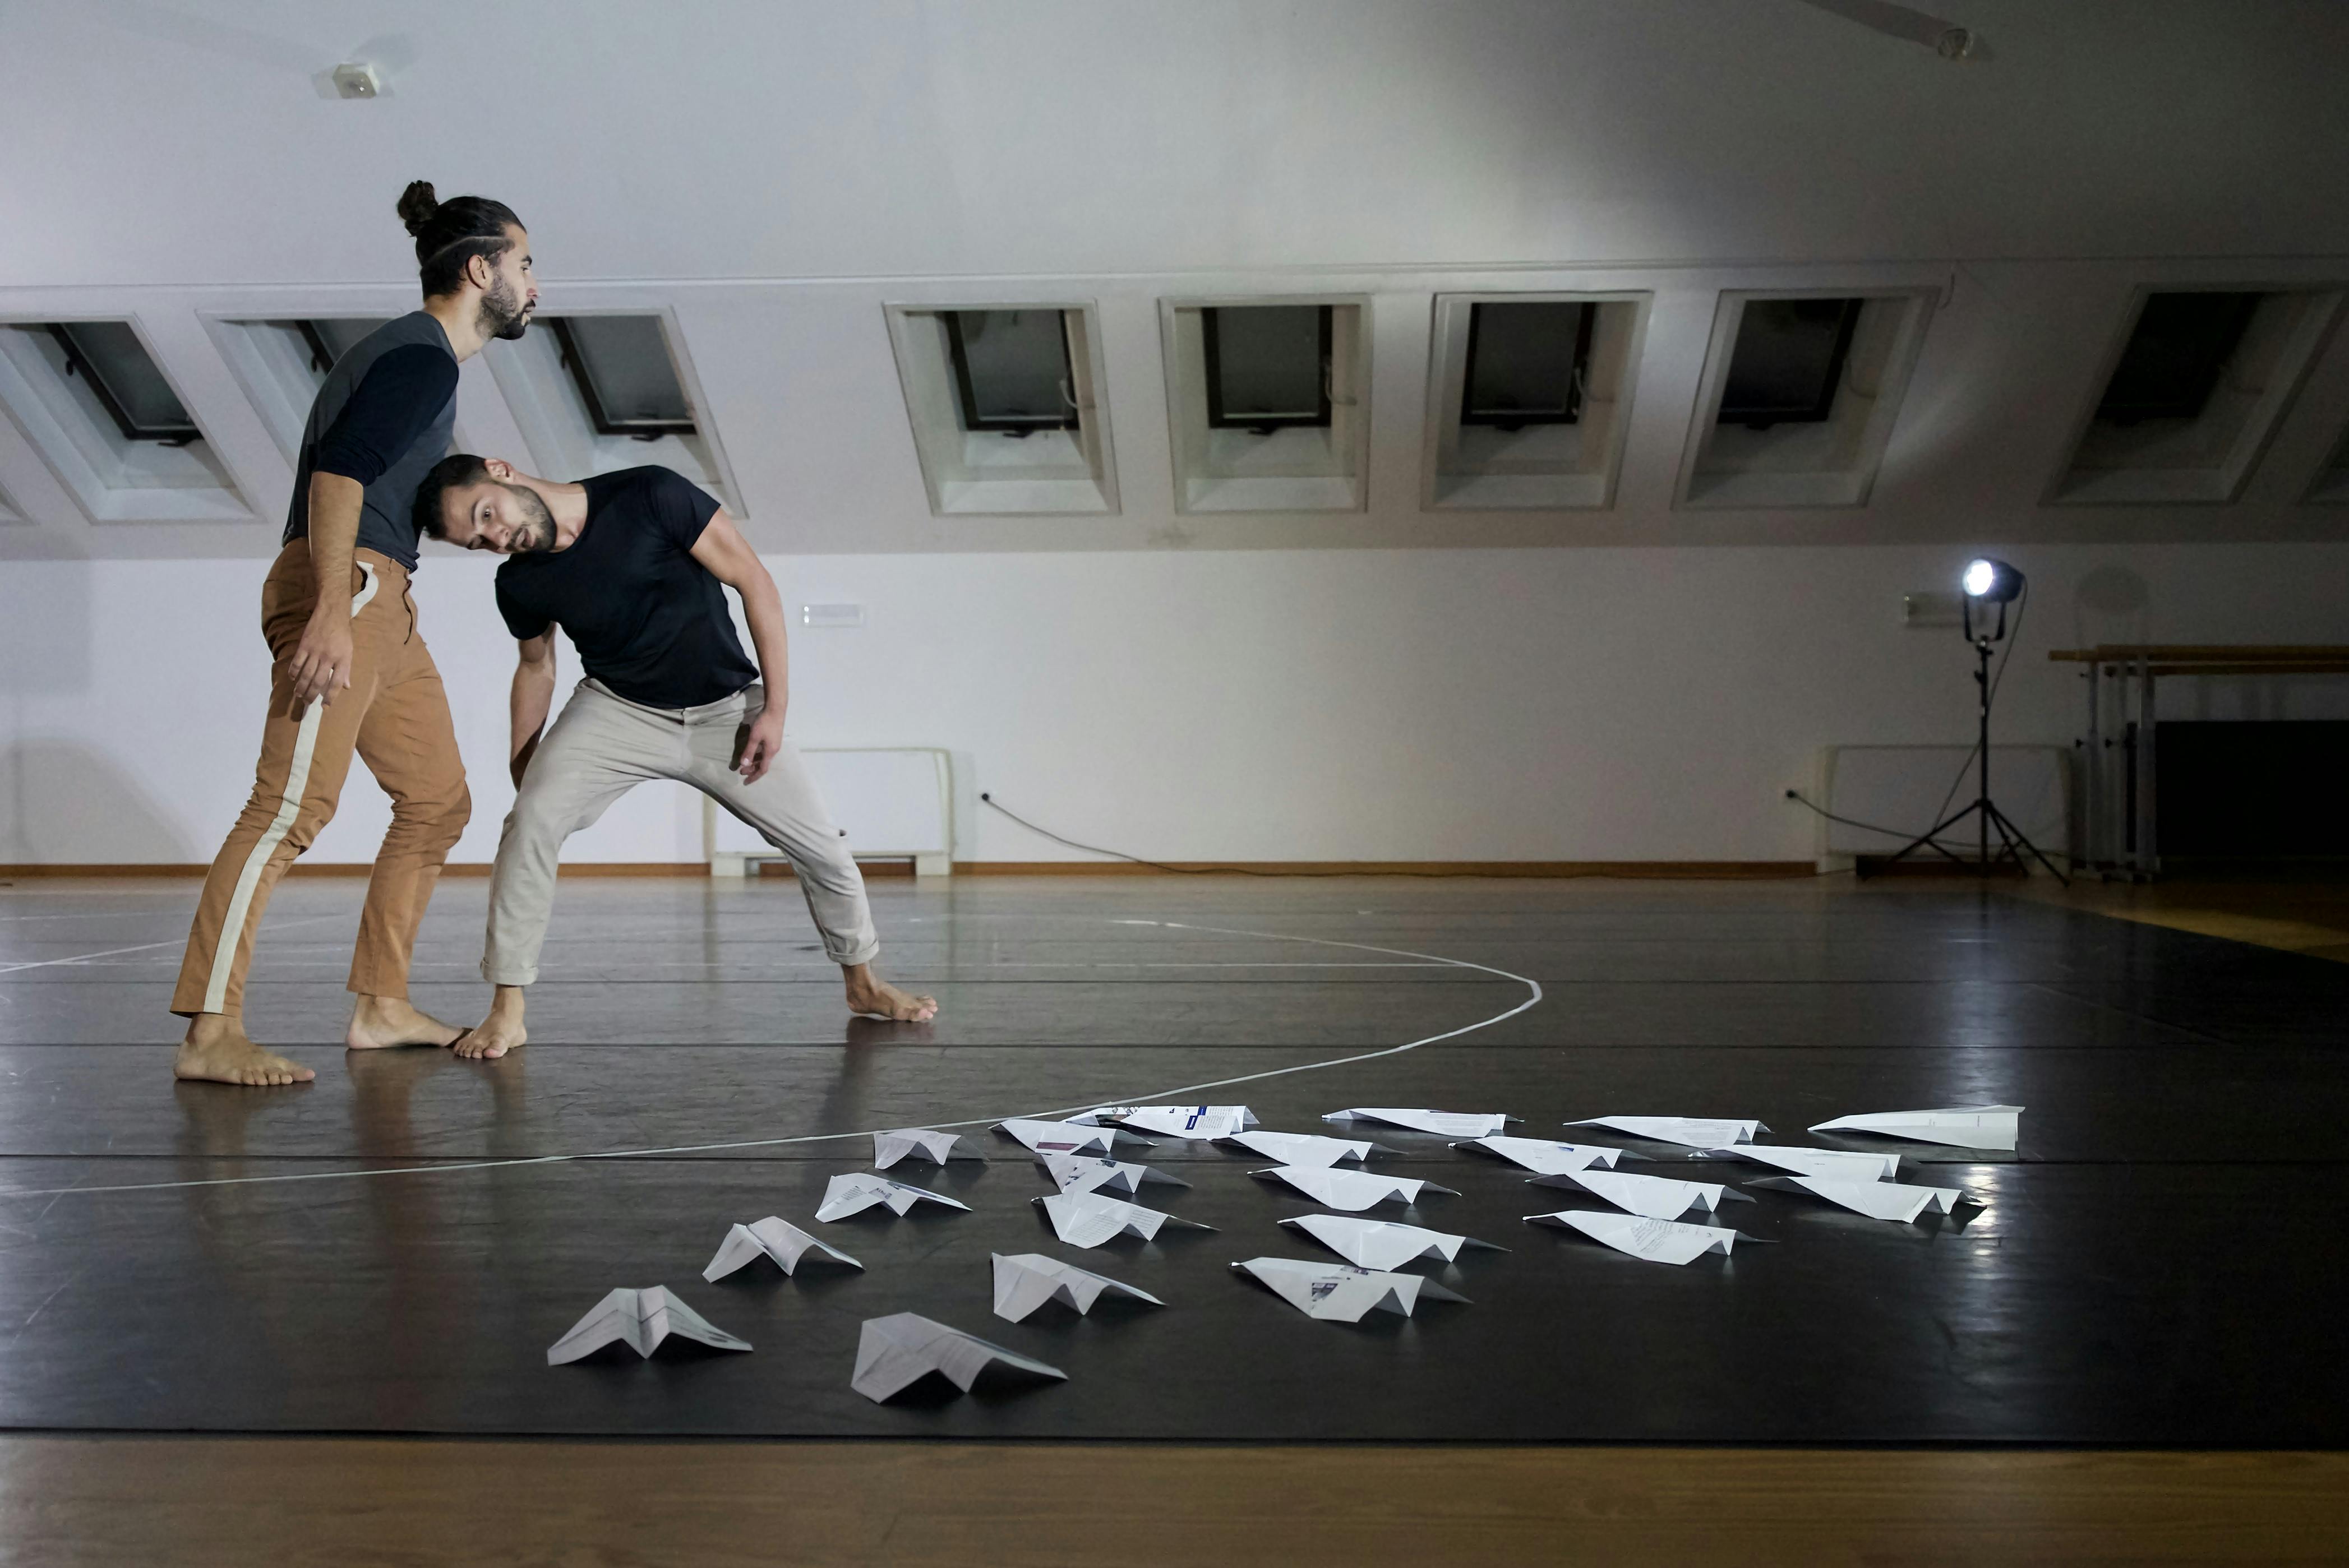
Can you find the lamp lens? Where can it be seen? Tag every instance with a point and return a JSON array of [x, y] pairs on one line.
[[1979, 576]]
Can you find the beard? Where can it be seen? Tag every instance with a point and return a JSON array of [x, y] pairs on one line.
[[533, 534], [503, 312]]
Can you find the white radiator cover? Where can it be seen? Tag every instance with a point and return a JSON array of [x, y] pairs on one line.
[[1903, 788], [893, 801]]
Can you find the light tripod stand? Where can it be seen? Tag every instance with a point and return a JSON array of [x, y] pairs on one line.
[[1991, 583]]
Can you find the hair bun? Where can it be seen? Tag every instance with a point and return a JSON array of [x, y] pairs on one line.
[[417, 206]]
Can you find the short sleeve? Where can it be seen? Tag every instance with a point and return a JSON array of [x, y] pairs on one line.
[[683, 508], [523, 621], [393, 404]]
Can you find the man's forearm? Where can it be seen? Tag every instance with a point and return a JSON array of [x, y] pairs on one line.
[[762, 606], [532, 697], [333, 529]]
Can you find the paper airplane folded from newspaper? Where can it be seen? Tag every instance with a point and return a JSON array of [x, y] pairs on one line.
[[1305, 1148], [1653, 1240], [1959, 1125], [1444, 1123], [853, 1194], [1835, 1164], [1695, 1131], [771, 1238], [1353, 1190], [1382, 1244], [920, 1143], [1651, 1197], [1195, 1121], [1545, 1158], [1084, 1173], [1340, 1293], [1026, 1281], [1088, 1219], [1876, 1200], [896, 1352], [641, 1320], [1066, 1137]]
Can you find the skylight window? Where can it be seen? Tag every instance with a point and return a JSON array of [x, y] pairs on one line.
[[282, 363], [1799, 397], [1004, 404], [1011, 370], [621, 366], [2197, 386], [1528, 400], [330, 338], [1268, 366], [119, 372]]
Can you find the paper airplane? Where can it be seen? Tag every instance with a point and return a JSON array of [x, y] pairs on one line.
[[1444, 1123], [896, 1352], [919, 1143], [1835, 1164], [1696, 1131], [1066, 1137], [1651, 1197], [1876, 1200], [1026, 1281], [1088, 1219], [639, 1319], [1544, 1158], [1305, 1148], [1084, 1173], [1655, 1240], [854, 1195], [1381, 1243], [1199, 1121], [1353, 1190], [771, 1238], [1340, 1293], [1959, 1125]]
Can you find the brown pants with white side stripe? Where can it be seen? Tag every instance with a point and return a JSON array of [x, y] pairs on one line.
[[395, 715]]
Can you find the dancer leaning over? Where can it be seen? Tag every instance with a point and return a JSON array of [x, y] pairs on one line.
[[351, 669], [630, 565]]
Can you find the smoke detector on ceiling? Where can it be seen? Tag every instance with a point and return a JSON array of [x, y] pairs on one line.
[[354, 79]]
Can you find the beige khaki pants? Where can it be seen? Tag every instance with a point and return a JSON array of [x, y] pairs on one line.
[[395, 716], [604, 746]]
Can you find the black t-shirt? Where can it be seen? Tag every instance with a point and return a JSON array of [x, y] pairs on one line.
[[649, 620]]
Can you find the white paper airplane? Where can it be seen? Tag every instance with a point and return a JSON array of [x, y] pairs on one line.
[[1198, 1121], [1959, 1125], [1695, 1131], [1876, 1200], [1444, 1123], [639, 1319], [1088, 1219], [1084, 1173], [1655, 1240], [1835, 1164], [919, 1143], [1305, 1148], [1544, 1158], [896, 1352], [854, 1195], [1340, 1293], [1381, 1243], [1066, 1137], [1026, 1281], [1353, 1190], [1651, 1197], [769, 1238]]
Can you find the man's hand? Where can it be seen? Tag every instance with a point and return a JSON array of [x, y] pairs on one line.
[[322, 659], [760, 745]]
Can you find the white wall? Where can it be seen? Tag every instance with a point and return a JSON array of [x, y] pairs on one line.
[[1365, 704]]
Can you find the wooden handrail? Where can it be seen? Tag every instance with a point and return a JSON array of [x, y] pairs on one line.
[[2174, 654]]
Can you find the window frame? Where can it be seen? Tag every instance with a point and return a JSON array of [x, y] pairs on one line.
[[1820, 411], [1577, 375], [79, 359], [1209, 316], [576, 362], [966, 394]]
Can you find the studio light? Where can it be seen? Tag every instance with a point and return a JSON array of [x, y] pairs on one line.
[[1993, 581]]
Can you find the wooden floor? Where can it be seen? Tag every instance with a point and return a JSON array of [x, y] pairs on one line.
[[339, 1504], [2308, 915]]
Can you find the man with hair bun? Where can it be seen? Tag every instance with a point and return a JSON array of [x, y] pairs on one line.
[[351, 671]]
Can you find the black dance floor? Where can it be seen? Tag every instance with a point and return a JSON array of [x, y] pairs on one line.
[[392, 1248]]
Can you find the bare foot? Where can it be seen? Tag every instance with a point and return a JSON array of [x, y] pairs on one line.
[[378, 1022], [870, 995], [216, 1051], [499, 1033]]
